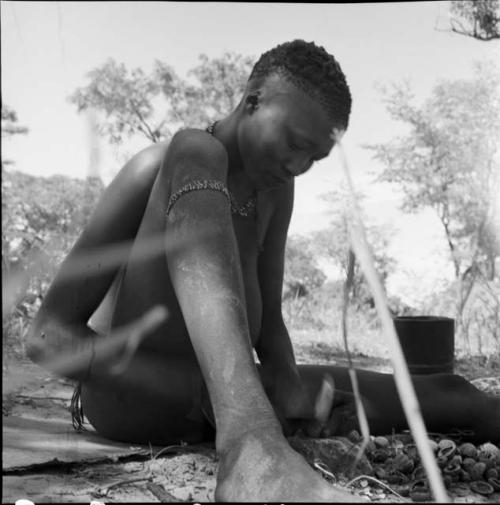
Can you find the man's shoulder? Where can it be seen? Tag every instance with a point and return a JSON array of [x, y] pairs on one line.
[[188, 140], [187, 145], [194, 154], [193, 142]]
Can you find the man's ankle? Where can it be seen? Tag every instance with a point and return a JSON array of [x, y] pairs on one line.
[[228, 438]]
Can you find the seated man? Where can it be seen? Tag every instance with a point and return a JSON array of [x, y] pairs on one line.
[[201, 223]]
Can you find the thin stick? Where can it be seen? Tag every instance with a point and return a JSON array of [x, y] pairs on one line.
[[380, 483], [168, 448], [347, 287], [105, 490], [325, 471], [360, 409], [402, 378], [87, 263], [161, 493], [363, 421], [124, 340]]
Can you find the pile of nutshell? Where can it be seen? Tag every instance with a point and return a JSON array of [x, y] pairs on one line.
[[465, 467]]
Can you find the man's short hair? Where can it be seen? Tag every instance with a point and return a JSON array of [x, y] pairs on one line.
[[311, 69]]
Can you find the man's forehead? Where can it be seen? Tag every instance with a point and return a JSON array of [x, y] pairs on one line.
[[278, 84], [281, 87], [310, 110]]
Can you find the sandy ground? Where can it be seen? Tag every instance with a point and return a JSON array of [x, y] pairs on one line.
[[180, 473]]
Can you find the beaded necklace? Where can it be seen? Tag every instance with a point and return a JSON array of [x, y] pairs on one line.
[[250, 206]]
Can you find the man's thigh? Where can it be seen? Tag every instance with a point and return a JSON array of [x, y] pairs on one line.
[[157, 400]]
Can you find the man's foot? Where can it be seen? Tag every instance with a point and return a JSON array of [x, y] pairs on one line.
[[261, 466], [479, 411], [489, 417]]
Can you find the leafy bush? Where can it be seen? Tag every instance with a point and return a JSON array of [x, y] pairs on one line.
[[477, 324], [302, 274], [41, 219]]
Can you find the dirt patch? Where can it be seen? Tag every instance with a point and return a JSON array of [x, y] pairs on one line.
[[180, 474], [186, 477]]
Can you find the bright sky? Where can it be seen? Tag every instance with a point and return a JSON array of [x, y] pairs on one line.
[[48, 47]]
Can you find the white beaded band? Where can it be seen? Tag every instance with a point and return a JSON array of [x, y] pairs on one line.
[[196, 186]]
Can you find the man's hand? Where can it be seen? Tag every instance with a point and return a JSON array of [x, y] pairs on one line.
[[292, 400], [63, 351], [332, 412]]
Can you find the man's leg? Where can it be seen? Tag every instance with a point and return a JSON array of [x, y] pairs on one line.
[[156, 400], [447, 401]]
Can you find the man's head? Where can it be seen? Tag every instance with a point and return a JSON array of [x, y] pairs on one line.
[[311, 69], [296, 96]]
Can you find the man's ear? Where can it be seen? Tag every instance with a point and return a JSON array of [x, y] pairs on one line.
[[252, 100]]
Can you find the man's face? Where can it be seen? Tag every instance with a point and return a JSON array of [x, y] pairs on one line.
[[284, 135]]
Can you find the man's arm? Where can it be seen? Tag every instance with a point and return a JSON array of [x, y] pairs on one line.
[[289, 395], [205, 269], [83, 279], [274, 347]]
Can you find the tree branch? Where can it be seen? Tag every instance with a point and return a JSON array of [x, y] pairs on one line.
[[148, 133], [463, 31], [451, 245]]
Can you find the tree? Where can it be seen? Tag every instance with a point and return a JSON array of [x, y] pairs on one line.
[[222, 82], [124, 99], [9, 123], [448, 162], [332, 243], [302, 274], [478, 19], [154, 105], [302, 280], [10, 127], [38, 211]]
